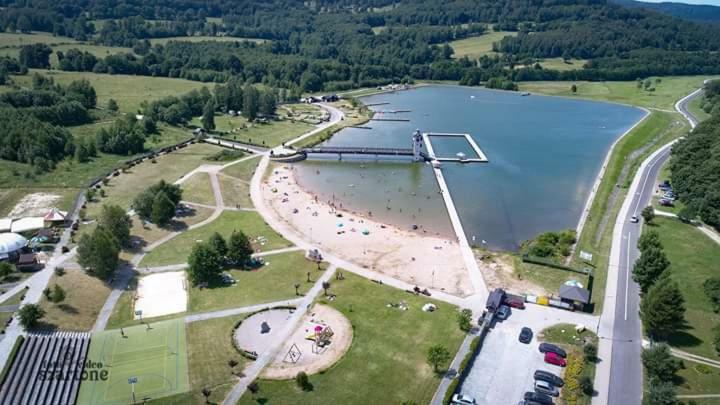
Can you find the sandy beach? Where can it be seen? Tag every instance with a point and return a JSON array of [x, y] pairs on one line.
[[426, 261]]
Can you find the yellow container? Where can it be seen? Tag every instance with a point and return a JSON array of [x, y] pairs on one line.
[[542, 300]]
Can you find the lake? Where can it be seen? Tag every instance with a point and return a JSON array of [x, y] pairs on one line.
[[544, 155]]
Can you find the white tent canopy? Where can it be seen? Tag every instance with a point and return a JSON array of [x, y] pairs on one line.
[[11, 242], [28, 224], [5, 224]]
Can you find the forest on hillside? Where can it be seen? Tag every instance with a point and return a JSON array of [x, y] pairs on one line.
[[342, 44]]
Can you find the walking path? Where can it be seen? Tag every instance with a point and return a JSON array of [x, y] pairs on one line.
[[241, 310], [451, 374], [253, 371], [695, 358], [701, 227]]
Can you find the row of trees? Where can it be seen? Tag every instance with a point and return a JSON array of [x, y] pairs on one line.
[[99, 251], [661, 370], [208, 259]]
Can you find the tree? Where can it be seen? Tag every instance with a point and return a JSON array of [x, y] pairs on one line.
[[648, 214], [660, 393], [659, 363], [163, 209], [711, 287], [30, 314], [208, 117], [112, 105], [58, 294], [649, 239], [83, 92], [651, 264], [254, 387], [35, 56], [687, 213], [98, 253], [662, 309], [117, 222], [204, 264], [240, 249], [465, 320], [326, 286], [716, 338], [6, 269], [268, 103], [303, 381], [250, 103], [217, 242], [573, 88], [586, 385], [437, 356], [206, 393], [590, 352], [143, 203]]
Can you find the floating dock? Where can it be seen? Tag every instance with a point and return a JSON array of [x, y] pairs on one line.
[[481, 158]]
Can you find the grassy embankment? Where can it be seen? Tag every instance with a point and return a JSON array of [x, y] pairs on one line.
[[386, 362], [269, 134], [85, 297]]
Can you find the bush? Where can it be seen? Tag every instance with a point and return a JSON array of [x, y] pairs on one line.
[[465, 320], [586, 385], [711, 287], [716, 338], [590, 351], [59, 271], [573, 370], [303, 381]]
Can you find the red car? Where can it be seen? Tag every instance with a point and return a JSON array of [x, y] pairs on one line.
[[553, 358]]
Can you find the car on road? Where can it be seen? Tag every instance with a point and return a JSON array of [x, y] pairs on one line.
[[544, 387], [538, 397], [526, 335], [460, 399], [553, 358], [543, 375], [503, 312], [634, 219], [549, 347]]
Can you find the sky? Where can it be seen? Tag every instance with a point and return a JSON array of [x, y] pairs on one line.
[[710, 2]]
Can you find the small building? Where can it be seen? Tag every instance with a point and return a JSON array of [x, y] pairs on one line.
[[55, 217], [28, 261], [330, 98], [11, 245], [199, 131], [495, 299], [576, 296]]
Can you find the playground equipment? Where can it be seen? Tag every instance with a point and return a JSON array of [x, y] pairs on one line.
[[293, 354], [321, 337]]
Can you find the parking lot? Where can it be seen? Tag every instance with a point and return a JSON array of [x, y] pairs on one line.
[[503, 370]]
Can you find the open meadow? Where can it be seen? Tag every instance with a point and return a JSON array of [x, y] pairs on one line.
[[475, 47]]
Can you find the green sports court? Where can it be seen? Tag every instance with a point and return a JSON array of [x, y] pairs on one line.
[[156, 357]]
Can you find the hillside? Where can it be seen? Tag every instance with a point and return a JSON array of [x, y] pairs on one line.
[[693, 12]]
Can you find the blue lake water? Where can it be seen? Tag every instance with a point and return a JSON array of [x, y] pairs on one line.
[[544, 155]]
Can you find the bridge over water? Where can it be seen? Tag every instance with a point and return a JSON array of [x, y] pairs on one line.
[[353, 150]]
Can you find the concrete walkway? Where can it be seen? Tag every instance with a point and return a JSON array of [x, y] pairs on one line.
[[448, 378], [241, 310], [695, 358]]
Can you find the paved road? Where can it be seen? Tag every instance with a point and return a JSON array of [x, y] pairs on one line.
[[620, 382]]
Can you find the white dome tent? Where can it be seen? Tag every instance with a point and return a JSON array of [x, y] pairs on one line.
[[11, 243]]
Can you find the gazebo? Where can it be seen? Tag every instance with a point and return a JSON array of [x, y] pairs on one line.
[[11, 244], [54, 216]]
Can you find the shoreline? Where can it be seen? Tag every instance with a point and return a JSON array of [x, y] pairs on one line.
[[423, 260]]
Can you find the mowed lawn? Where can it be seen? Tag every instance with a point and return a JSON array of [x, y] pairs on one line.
[[157, 357], [475, 47], [270, 134], [386, 363], [666, 93], [251, 223], [85, 297], [694, 258], [243, 170], [121, 190], [235, 192], [272, 282], [198, 189], [128, 91]]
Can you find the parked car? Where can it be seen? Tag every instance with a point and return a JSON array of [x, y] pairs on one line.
[[666, 202], [670, 196], [546, 388], [538, 397], [549, 377], [503, 312], [634, 219], [524, 402], [461, 399], [553, 358], [549, 347], [514, 301], [526, 335]]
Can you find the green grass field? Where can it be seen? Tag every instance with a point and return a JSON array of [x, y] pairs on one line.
[[128, 91], [386, 363], [475, 47], [695, 107], [559, 64], [8, 40], [235, 192], [693, 259], [243, 170], [156, 357], [198, 189], [269, 134], [666, 93], [251, 223]]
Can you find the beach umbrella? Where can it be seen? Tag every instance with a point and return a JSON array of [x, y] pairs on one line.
[[365, 232]]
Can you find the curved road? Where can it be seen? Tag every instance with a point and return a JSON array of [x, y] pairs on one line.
[[621, 382]]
